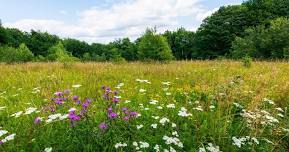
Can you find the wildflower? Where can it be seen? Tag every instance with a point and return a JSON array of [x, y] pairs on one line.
[[213, 148], [175, 134], [154, 126], [183, 112], [164, 120], [127, 101], [58, 94], [269, 101], [115, 99], [153, 102], [199, 108], [17, 114], [76, 86], [134, 114], [171, 106], [156, 117], [139, 126], [112, 115], [173, 140], [49, 149], [73, 117], [174, 125], [126, 118], [168, 93], [160, 107], [166, 83], [119, 145], [3, 132], [75, 98], [237, 105], [280, 109], [66, 92], [142, 90], [8, 138], [157, 148], [103, 125], [144, 144], [37, 120], [1, 108], [143, 81], [30, 110], [212, 107]]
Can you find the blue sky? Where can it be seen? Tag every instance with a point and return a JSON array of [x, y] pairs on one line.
[[106, 20]]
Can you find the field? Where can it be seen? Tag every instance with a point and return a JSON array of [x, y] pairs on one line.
[[179, 106]]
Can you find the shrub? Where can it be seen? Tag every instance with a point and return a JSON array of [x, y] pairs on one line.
[[13, 55]]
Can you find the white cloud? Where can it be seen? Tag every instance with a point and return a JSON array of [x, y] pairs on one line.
[[127, 18], [63, 12]]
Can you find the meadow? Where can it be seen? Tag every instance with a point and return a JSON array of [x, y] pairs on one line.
[[179, 106]]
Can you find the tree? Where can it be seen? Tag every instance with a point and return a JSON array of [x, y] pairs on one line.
[[181, 42], [154, 47], [12, 55], [264, 42], [24, 54], [59, 53], [3, 34], [76, 47], [126, 48]]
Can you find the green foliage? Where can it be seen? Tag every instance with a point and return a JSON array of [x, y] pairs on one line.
[[12, 55], [126, 48], [247, 61], [76, 47], [262, 42], [59, 53], [182, 43], [154, 47]]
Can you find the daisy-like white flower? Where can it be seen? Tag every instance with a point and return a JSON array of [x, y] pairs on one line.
[[154, 126], [159, 107], [183, 112], [30, 110], [8, 138], [3, 132], [144, 144], [174, 125], [199, 108], [157, 148], [156, 117], [269, 101], [280, 109]]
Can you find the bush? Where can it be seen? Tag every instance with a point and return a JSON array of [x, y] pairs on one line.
[[13, 55], [154, 47], [58, 53]]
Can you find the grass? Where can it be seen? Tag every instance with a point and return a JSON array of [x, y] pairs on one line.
[[209, 90]]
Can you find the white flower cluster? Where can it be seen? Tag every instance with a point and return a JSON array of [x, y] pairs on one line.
[[2, 108], [199, 108], [154, 126], [17, 114], [184, 112], [259, 116], [142, 90], [154, 102], [211, 148], [7, 138], [243, 140], [143, 81], [140, 145], [164, 120], [171, 106], [76, 86], [54, 117], [28, 111], [139, 126], [36, 90], [237, 105], [166, 83], [119, 145], [173, 141], [48, 149], [119, 85], [269, 101]]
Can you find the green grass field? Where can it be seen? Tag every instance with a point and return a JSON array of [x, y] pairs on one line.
[[182, 106]]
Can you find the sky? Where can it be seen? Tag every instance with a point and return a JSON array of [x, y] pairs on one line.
[[103, 21]]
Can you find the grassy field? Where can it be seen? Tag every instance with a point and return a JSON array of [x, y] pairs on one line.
[[181, 106]]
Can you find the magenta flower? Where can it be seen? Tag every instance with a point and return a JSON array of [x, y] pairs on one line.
[[75, 98], [67, 91], [112, 115], [126, 118], [58, 94], [115, 100], [37, 120], [103, 126], [133, 114], [73, 117]]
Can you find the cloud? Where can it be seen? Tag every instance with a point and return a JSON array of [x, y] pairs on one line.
[[126, 18], [63, 12]]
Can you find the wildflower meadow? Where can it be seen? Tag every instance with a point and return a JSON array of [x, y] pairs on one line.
[[186, 106]]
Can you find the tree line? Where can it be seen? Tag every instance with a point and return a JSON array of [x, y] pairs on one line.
[[255, 28]]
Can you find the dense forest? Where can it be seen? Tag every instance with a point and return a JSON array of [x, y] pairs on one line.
[[255, 28]]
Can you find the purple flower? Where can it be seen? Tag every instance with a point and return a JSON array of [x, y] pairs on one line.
[[109, 110], [124, 109], [126, 118], [103, 87], [75, 98], [115, 100], [103, 126], [1, 142], [115, 92], [37, 120], [59, 101], [112, 115], [73, 117], [78, 102], [58, 94], [133, 114], [67, 91]]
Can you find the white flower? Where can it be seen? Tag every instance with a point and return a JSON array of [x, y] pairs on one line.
[[173, 140], [175, 134], [8, 138], [71, 110], [238, 142], [76, 86], [280, 109], [139, 126], [17, 114], [117, 97], [280, 115], [160, 107], [156, 117], [153, 102], [172, 106], [166, 83], [213, 148], [202, 150], [1, 108], [269, 101], [55, 116], [127, 101], [157, 148], [65, 116], [183, 112], [144, 144], [154, 126], [212, 107], [3, 132], [164, 120], [142, 90], [143, 81], [174, 125], [49, 149], [199, 108], [168, 93], [237, 105], [118, 145], [30, 110]]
